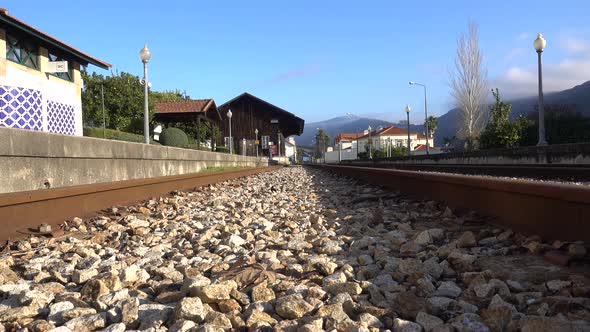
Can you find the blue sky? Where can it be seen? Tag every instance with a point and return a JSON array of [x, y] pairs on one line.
[[320, 59]]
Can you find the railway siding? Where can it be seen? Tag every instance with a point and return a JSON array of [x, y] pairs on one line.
[[293, 250]]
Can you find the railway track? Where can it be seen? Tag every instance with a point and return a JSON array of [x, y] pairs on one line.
[[22, 212], [546, 172], [548, 209]]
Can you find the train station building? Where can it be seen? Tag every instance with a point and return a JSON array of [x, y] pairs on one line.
[[274, 125], [40, 81]]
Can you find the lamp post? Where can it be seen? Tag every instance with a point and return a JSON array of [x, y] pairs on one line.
[[539, 45], [145, 55], [408, 114], [256, 141], [370, 144], [231, 142], [425, 113]]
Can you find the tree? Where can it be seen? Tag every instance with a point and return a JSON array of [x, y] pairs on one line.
[[500, 132], [432, 125], [468, 82], [563, 124], [123, 101], [322, 140]]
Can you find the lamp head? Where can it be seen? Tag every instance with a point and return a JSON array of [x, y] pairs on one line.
[[256, 131], [408, 109], [412, 83], [539, 43], [145, 54], [229, 113]]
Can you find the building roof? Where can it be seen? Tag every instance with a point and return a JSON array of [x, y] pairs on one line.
[[347, 136], [184, 106], [80, 56], [184, 110], [293, 125], [389, 131]]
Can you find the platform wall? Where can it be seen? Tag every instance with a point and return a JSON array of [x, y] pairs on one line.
[[31, 160]]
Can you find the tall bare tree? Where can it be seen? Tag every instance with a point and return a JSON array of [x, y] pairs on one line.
[[468, 82]]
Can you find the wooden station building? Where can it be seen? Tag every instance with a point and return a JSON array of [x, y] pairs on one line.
[[250, 113]]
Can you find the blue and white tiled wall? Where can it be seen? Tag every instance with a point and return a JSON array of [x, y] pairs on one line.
[[23, 108]]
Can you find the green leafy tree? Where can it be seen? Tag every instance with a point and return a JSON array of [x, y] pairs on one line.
[[563, 124], [432, 125], [500, 132], [322, 140], [123, 101]]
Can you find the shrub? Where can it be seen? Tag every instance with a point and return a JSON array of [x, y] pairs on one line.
[[222, 149], [174, 137], [115, 135]]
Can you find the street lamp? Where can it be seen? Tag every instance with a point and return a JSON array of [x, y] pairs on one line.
[[408, 114], [425, 113], [145, 55], [539, 45], [256, 141], [229, 114], [370, 144]]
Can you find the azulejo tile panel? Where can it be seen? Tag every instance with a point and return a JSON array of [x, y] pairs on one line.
[[21, 108], [61, 118]]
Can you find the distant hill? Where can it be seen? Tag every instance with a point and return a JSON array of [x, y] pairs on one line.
[[345, 124], [578, 96]]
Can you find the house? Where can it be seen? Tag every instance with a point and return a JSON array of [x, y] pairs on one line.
[[250, 113], [390, 136], [291, 149], [40, 81]]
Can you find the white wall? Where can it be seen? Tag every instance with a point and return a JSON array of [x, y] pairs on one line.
[[64, 95]]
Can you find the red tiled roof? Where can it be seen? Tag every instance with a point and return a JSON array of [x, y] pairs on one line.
[[421, 136], [184, 106], [389, 131], [51, 40], [347, 136]]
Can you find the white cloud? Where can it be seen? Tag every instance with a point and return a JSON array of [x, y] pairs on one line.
[[522, 81], [575, 45]]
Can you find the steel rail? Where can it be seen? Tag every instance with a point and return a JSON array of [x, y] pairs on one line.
[[21, 211], [550, 210], [549, 171]]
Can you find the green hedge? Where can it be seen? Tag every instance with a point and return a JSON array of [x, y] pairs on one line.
[[174, 137], [115, 135], [222, 149]]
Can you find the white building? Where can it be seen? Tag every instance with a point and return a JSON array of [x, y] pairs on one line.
[[40, 81], [391, 136], [291, 149]]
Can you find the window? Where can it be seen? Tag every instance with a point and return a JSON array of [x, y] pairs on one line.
[[69, 75], [22, 51]]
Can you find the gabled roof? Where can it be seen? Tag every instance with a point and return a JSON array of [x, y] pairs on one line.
[[389, 131], [295, 125], [347, 136], [23, 27], [185, 106]]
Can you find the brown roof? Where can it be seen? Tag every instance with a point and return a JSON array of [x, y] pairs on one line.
[[185, 106], [388, 131], [421, 136], [83, 57], [347, 136]]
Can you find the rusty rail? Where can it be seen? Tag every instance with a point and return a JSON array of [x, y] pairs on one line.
[[551, 210], [23, 210]]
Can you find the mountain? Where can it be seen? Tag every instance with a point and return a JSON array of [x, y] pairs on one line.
[[578, 96], [345, 124]]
